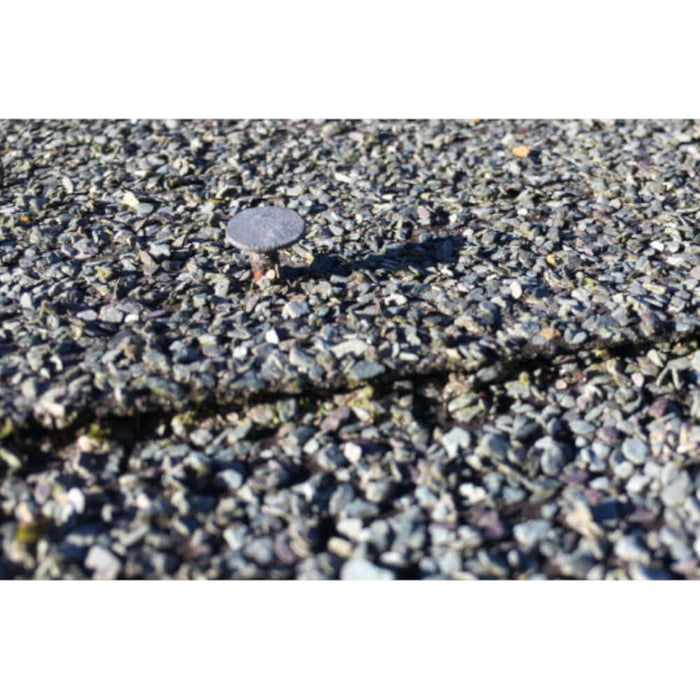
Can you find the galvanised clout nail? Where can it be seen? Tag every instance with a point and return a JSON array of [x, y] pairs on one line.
[[262, 232]]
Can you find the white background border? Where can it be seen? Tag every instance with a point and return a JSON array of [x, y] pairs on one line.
[[363, 59]]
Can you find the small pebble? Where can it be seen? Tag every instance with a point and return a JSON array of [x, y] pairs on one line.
[[363, 570]]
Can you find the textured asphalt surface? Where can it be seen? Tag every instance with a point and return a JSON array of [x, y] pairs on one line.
[[481, 362]]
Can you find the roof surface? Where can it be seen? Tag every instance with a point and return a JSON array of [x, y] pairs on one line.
[[490, 368]]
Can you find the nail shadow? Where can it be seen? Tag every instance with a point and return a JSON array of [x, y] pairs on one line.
[[419, 256]]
